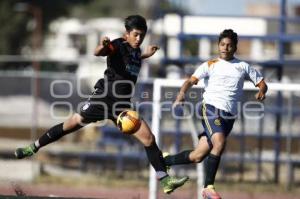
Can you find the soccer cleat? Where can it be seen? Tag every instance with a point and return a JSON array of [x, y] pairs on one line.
[[165, 154], [169, 183], [210, 193], [27, 151]]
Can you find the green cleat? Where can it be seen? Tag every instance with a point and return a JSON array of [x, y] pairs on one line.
[[169, 183], [27, 151]]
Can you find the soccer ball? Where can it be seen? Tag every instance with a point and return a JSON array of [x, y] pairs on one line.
[[128, 121]]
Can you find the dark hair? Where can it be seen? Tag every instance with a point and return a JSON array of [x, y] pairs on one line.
[[135, 22], [229, 33]]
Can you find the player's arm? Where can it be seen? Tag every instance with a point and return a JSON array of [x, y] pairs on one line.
[[256, 77], [263, 88], [201, 72], [184, 88], [104, 47], [150, 51]]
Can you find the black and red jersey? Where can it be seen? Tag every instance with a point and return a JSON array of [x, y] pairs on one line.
[[123, 66]]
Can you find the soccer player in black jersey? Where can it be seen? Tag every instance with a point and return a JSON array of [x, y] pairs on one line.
[[112, 95]]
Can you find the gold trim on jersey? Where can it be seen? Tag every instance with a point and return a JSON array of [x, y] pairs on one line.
[[195, 78], [206, 120], [211, 62]]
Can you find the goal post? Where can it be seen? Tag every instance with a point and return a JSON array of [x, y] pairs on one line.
[[159, 84]]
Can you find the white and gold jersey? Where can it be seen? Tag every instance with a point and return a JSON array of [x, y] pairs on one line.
[[224, 81]]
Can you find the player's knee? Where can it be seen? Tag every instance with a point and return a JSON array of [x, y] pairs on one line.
[[72, 122], [218, 141], [77, 118], [196, 157], [147, 139], [218, 147]]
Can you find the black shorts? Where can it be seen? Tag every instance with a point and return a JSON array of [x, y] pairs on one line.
[[216, 120], [99, 107]]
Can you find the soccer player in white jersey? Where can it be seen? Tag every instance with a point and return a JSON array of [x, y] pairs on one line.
[[224, 78]]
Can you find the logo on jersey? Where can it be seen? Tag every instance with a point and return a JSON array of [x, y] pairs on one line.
[[217, 122], [133, 69], [86, 106], [240, 69]]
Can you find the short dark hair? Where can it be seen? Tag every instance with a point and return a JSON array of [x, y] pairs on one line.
[[135, 22], [229, 33]]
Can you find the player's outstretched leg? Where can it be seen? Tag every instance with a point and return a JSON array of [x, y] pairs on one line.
[[210, 193], [27, 151], [155, 157], [53, 134], [189, 156], [169, 183]]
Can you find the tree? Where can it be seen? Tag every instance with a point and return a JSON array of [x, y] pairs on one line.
[[15, 21], [17, 29], [13, 28]]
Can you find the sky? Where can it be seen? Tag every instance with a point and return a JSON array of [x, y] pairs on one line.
[[224, 7]]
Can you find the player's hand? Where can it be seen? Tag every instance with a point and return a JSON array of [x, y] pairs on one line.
[[260, 96], [105, 41], [179, 101], [151, 49]]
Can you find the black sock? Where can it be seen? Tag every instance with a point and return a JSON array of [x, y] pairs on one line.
[[179, 158], [53, 134], [211, 167], [155, 158]]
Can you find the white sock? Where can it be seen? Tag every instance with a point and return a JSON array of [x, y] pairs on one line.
[[37, 144], [161, 174]]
